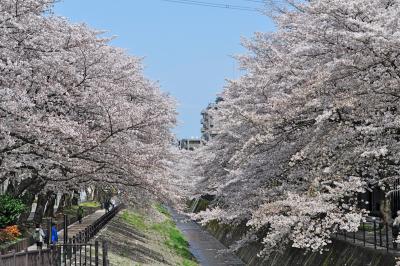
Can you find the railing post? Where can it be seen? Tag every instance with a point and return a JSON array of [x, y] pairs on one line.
[[96, 253], [80, 253], [387, 237], [40, 261], [26, 257], [59, 258], [90, 254], [65, 229], [380, 235], [363, 225], [63, 252], [75, 249], [85, 253], [49, 232], [374, 232], [105, 253]]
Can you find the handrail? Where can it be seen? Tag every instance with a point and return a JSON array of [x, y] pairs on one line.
[[64, 251], [90, 231], [378, 235], [25, 242]]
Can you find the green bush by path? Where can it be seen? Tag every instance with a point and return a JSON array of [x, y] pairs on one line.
[[10, 209]]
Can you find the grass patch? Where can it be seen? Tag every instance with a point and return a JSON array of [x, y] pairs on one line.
[[162, 209], [187, 262], [71, 211], [173, 237], [88, 207], [90, 204], [369, 227], [175, 240], [134, 219]]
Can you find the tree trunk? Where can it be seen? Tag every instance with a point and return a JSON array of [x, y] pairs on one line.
[[96, 194], [28, 199], [11, 189], [75, 198], [89, 193], [40, 205], [49, 212], [63, 201], [68, 200]]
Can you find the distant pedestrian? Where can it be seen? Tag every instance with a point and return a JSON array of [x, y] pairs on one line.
[[54, 234], [395, 229], [79, 214], [38, 236], [112, 203], [107, 205]]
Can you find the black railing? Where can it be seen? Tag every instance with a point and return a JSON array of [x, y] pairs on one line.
[[91, 230], [374, 233], [60, 255], [74, 251], [24, 243]]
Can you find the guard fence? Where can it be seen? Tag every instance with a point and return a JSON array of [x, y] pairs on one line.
[[76, 250], [373, 233], [24, 243]]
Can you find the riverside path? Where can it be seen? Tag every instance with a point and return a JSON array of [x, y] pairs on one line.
[[76, 227]]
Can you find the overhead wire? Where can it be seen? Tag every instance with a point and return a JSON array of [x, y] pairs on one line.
[[215, 5], [256, 1]]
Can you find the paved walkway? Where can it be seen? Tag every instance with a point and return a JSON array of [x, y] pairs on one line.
[[75, 228], [203, 245]]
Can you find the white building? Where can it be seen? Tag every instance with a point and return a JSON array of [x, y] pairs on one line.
[[208, 130], [189, 144]]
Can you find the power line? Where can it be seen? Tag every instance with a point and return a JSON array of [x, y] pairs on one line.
[[256, 1], [215, 5]]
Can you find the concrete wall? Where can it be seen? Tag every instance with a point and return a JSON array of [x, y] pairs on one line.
[[340, 253]]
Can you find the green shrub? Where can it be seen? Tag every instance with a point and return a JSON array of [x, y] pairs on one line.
[[10, 209]]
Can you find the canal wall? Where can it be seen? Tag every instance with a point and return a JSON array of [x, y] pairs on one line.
[[340, 253]]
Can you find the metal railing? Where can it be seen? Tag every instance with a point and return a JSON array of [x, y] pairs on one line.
[[24, 243], [91, 230], [73, 251], [60, 254], [374, 233]]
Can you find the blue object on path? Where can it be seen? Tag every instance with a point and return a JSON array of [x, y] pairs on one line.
[[54, 234]]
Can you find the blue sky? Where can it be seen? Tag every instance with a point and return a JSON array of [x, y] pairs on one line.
[[187, 49]]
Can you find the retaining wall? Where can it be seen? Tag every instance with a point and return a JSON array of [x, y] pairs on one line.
[[341, 253]]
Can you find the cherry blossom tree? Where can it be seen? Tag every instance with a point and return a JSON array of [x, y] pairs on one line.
[[74, 110], [311, 124]]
